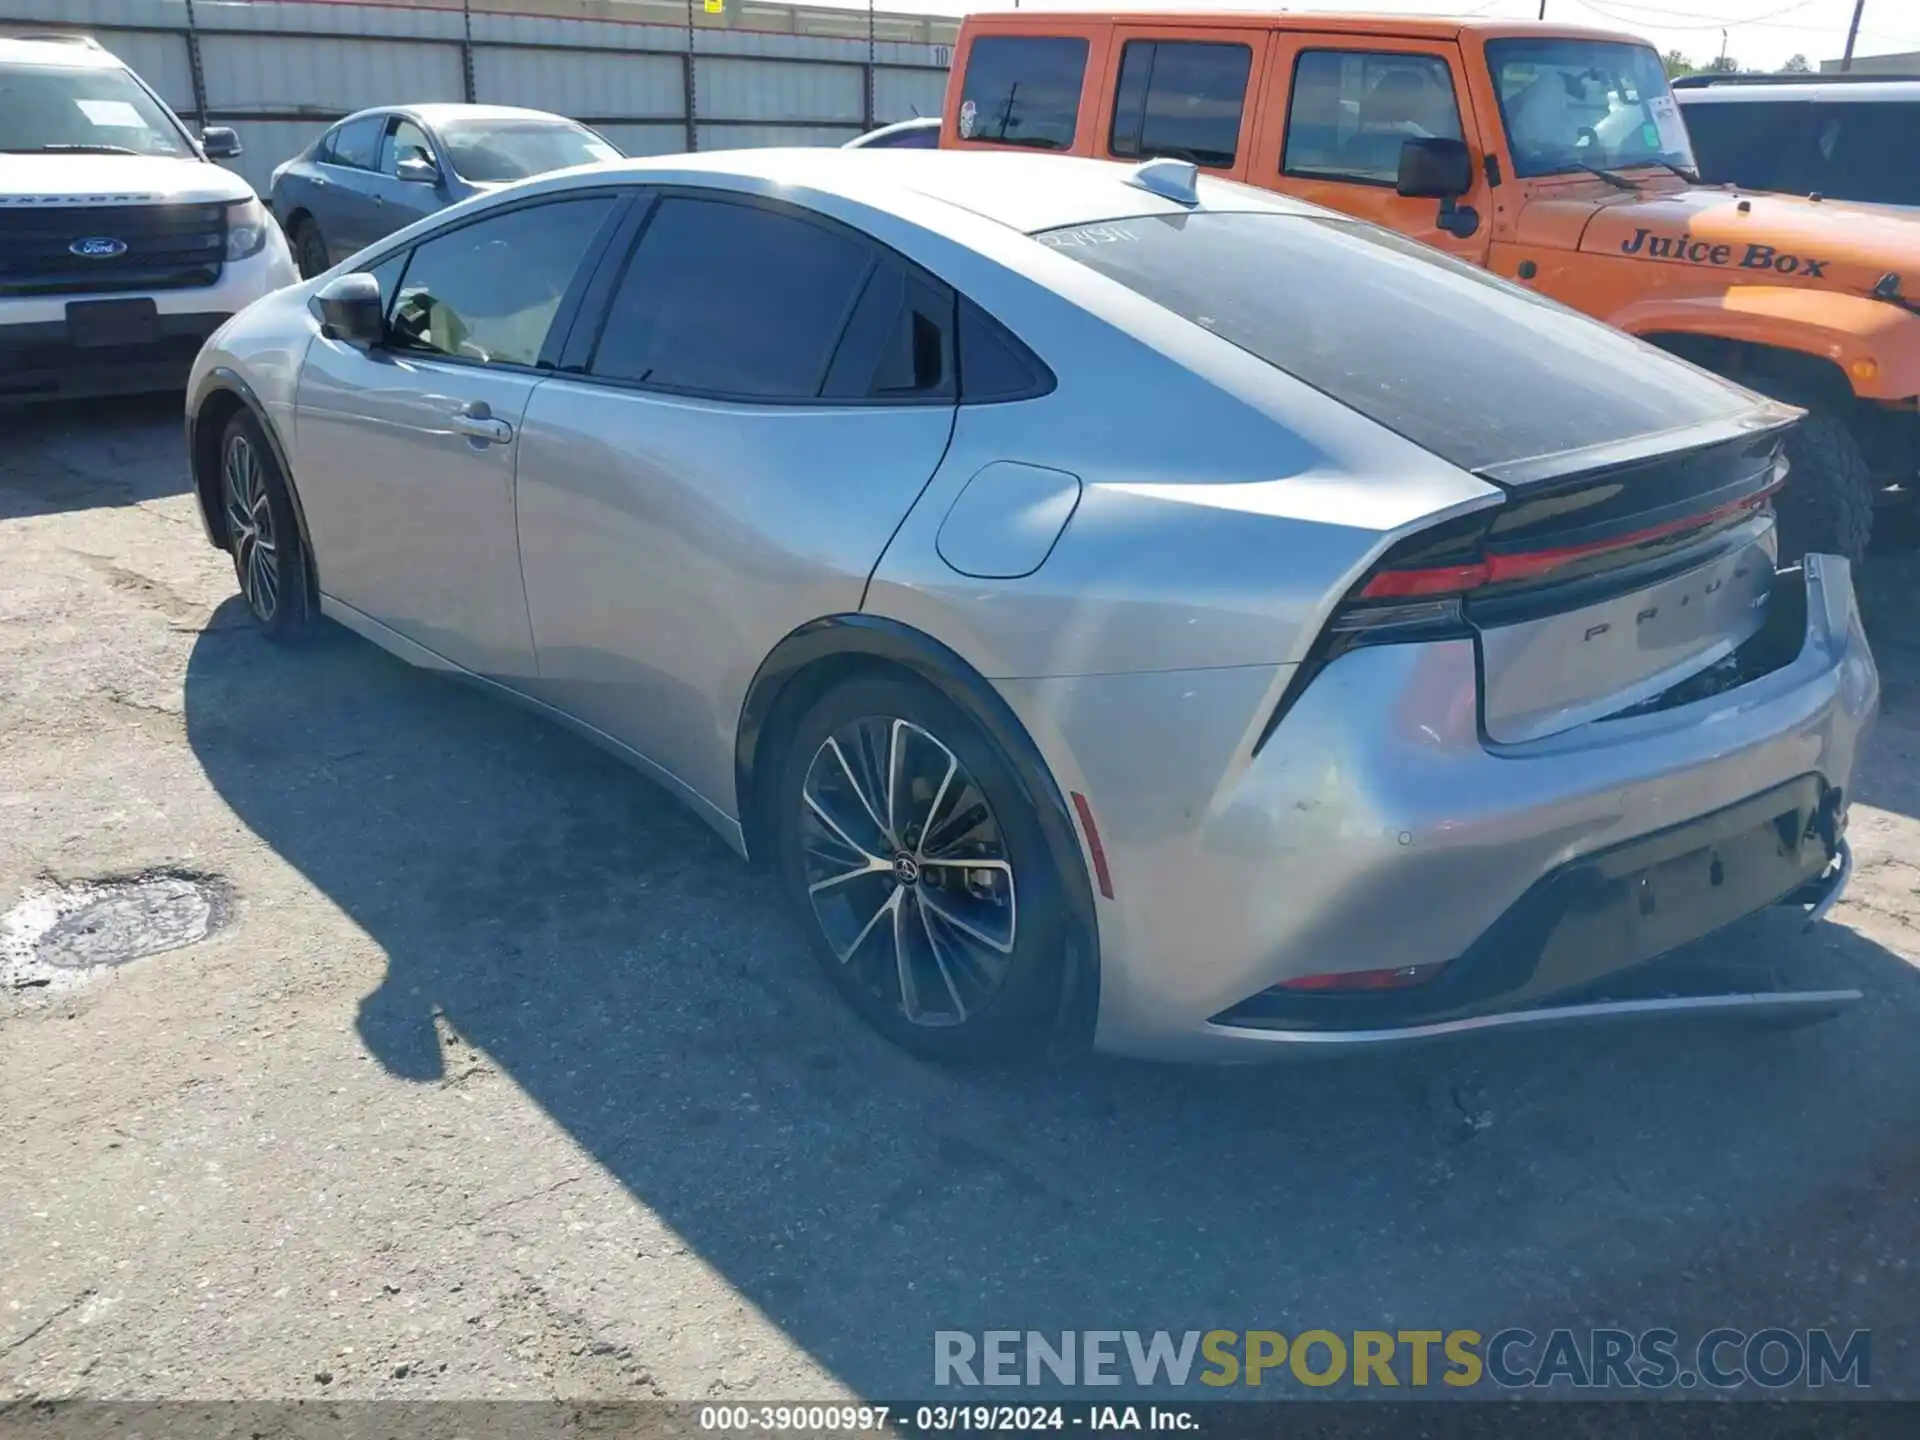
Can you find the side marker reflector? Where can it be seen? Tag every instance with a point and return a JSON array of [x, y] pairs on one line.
[[1100, 875]]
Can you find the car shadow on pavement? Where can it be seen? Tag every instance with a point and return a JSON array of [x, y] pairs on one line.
[[643, 987], [81, 454]]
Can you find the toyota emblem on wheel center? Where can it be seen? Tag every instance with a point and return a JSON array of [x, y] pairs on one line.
[[98, 247]]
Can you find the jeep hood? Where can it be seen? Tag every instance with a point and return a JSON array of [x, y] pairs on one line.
[[115, 180], [1748, 238]]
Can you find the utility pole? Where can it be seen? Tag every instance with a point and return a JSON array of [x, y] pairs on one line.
[[1853, 34], [1723, 50]]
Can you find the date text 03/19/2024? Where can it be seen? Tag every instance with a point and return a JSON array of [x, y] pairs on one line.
[[942, 1419]]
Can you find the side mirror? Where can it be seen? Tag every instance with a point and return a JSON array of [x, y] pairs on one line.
[[218, 142], [416, 171], [349, 308], [1435, 169]]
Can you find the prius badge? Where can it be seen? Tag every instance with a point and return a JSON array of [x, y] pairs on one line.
[[98, 247]]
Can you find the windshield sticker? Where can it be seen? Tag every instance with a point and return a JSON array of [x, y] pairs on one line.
[[969, 117], [1684, 248], [1673, 130], [111, 114]]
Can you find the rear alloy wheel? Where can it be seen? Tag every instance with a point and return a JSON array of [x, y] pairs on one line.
[[262, 535], [310, 248], [933, 904]]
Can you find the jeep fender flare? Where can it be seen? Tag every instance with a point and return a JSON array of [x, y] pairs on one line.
[[1874, 345]]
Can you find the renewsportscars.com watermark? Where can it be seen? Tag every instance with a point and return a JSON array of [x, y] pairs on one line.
[[1513, 1359]]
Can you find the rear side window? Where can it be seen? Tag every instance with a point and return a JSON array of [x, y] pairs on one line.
[[738, 301], [1469, 367], [357, 143], [1180, 99], [1351, 112], [993, 365], [1023, 90], [489, 291], [899, 343]]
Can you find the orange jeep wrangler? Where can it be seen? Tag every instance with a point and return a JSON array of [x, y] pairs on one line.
[[1553, 156]]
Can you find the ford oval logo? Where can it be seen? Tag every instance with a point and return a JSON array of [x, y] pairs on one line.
[[98, 247]]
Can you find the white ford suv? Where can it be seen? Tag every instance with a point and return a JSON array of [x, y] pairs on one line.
[[122, 246]]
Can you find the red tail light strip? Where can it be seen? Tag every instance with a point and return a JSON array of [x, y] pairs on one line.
[[1530, 564]]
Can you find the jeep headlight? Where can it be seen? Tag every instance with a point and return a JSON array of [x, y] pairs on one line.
[[247, 222]]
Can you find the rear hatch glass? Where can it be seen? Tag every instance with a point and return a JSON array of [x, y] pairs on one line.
[[1475, 369]]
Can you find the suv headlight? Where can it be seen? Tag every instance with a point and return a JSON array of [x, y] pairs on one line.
[[247, 223]]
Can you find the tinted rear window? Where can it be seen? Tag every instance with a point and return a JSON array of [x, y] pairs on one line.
[[1023, 91], [1181, 99], [1470, 367]]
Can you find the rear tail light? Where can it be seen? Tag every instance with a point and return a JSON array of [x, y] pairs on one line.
[[1549, 546], [1500, 567]]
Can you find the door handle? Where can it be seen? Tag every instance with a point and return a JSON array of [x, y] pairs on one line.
[[476, 422]]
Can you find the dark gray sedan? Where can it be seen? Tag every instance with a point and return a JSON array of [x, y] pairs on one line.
[[379, 170]]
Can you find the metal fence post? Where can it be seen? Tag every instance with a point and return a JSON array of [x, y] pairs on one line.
[[467, 83], [867, 111], [690, 88], [196, 70]]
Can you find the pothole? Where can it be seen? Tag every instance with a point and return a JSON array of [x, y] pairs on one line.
[[61, 936]]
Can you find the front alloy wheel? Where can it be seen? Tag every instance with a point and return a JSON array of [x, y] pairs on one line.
[[250, 527], [907, 870]]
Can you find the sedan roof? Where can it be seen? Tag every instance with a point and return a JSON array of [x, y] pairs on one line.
[[438, 112], [1028, 193]]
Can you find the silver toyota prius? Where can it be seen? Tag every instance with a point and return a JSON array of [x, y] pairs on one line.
[[1116, 604]]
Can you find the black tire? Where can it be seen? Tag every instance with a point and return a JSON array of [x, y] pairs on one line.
[[977, 1002], [1826, 506], [310, 248], [263, 533]]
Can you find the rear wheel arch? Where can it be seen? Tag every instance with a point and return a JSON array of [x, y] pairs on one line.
[[1796, 376], [825, 653], [223, 394]]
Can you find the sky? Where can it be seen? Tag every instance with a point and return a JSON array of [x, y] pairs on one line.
[[1761, 34]]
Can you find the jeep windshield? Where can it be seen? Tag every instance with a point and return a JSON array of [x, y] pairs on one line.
[[66, 110], [1575, 105]]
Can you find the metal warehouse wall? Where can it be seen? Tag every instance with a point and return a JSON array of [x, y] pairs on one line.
[[280, 71]]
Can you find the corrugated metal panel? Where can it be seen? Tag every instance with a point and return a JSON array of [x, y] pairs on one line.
[[786, 47], [265, 143], [637, 140], [550, 30], [759, 137], [332, 18], [902, 94], [98, 12], [160, 60], [267, 73], [756, 90], [574, 83]]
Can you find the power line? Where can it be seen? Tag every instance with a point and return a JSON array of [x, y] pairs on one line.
[[1768, 21]]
